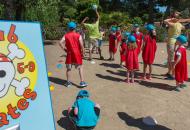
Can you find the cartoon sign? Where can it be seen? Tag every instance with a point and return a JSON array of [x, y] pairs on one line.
[[25, 102]]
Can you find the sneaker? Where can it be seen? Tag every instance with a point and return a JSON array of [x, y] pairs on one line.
[[83, 84], [149, 77], [68, 84], [177, 89], [101, 58], [126, 80], [183, 86], [170, 77], [109, 59], [132, 81], [166, 75], [143, 78]]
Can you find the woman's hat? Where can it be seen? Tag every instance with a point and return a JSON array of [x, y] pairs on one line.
[[131, 38], [150, 27], [182, 39], [83, 93], [72, 25]]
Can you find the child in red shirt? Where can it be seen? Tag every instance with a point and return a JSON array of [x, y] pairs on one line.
[[123, 48], [149, 50], [180, 64], [139, 37], [112, 43], [131, 58], [73, 44], [118, 34]]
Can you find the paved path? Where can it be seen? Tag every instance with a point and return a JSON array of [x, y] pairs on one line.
[[122, 105]]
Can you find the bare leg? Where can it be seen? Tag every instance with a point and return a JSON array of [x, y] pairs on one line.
[[68, 74], [111, 56], [132, 76], [81, 73], [144, 70], [100, 52], [90, 54], [150, 70], [127, 75]]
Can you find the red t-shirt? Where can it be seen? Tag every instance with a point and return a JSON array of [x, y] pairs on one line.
[[74, 55]]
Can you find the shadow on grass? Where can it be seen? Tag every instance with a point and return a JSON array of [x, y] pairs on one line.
[[61, 81], [138, 123], [157, 85]]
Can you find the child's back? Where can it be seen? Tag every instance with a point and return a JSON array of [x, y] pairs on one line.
[[86, 113], [149, 49]]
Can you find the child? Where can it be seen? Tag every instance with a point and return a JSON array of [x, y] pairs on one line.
[[73, 43], [112, 43], [118, 34], [139, 37], [149, 50], [84, 112], [180, 64], [123, 47], [131, 58]]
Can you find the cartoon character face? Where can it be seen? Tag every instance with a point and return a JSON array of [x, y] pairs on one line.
[[8, 71], [7, 74]]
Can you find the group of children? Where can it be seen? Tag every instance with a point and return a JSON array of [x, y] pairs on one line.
[[132, 44], [84, 113]]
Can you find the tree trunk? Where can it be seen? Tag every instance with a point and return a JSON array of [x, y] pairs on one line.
[[9, 11], [151, 4]]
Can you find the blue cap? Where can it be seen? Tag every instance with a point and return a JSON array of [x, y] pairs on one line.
[[150, 27], [135, 25], [126, 34], [118, 28], [83, 93], [72, 25], [182, 39], [131, 38], [113, 29]]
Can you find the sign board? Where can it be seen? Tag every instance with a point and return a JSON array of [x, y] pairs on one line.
[[25, 100]]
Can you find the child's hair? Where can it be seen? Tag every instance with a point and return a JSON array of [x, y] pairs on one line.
[[132, 45], [151, 35]]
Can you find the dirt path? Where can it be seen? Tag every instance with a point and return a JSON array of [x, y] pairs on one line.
[[122, 105]]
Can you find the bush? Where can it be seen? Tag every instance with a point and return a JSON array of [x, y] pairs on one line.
[[161, 34]]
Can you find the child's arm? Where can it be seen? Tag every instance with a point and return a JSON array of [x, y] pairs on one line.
[[62, 43], [76, 111], [178, 59], [81, 45], [84, 20], [169, 22], [98, 15], [120, 49]]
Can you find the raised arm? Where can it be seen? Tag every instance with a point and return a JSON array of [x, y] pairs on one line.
[[97, 14], [84, 20], [168, 22]]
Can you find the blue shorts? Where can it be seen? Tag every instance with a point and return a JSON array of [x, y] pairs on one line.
[[99, 43]]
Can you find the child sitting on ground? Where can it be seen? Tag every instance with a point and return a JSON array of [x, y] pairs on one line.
[[84, 112]]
